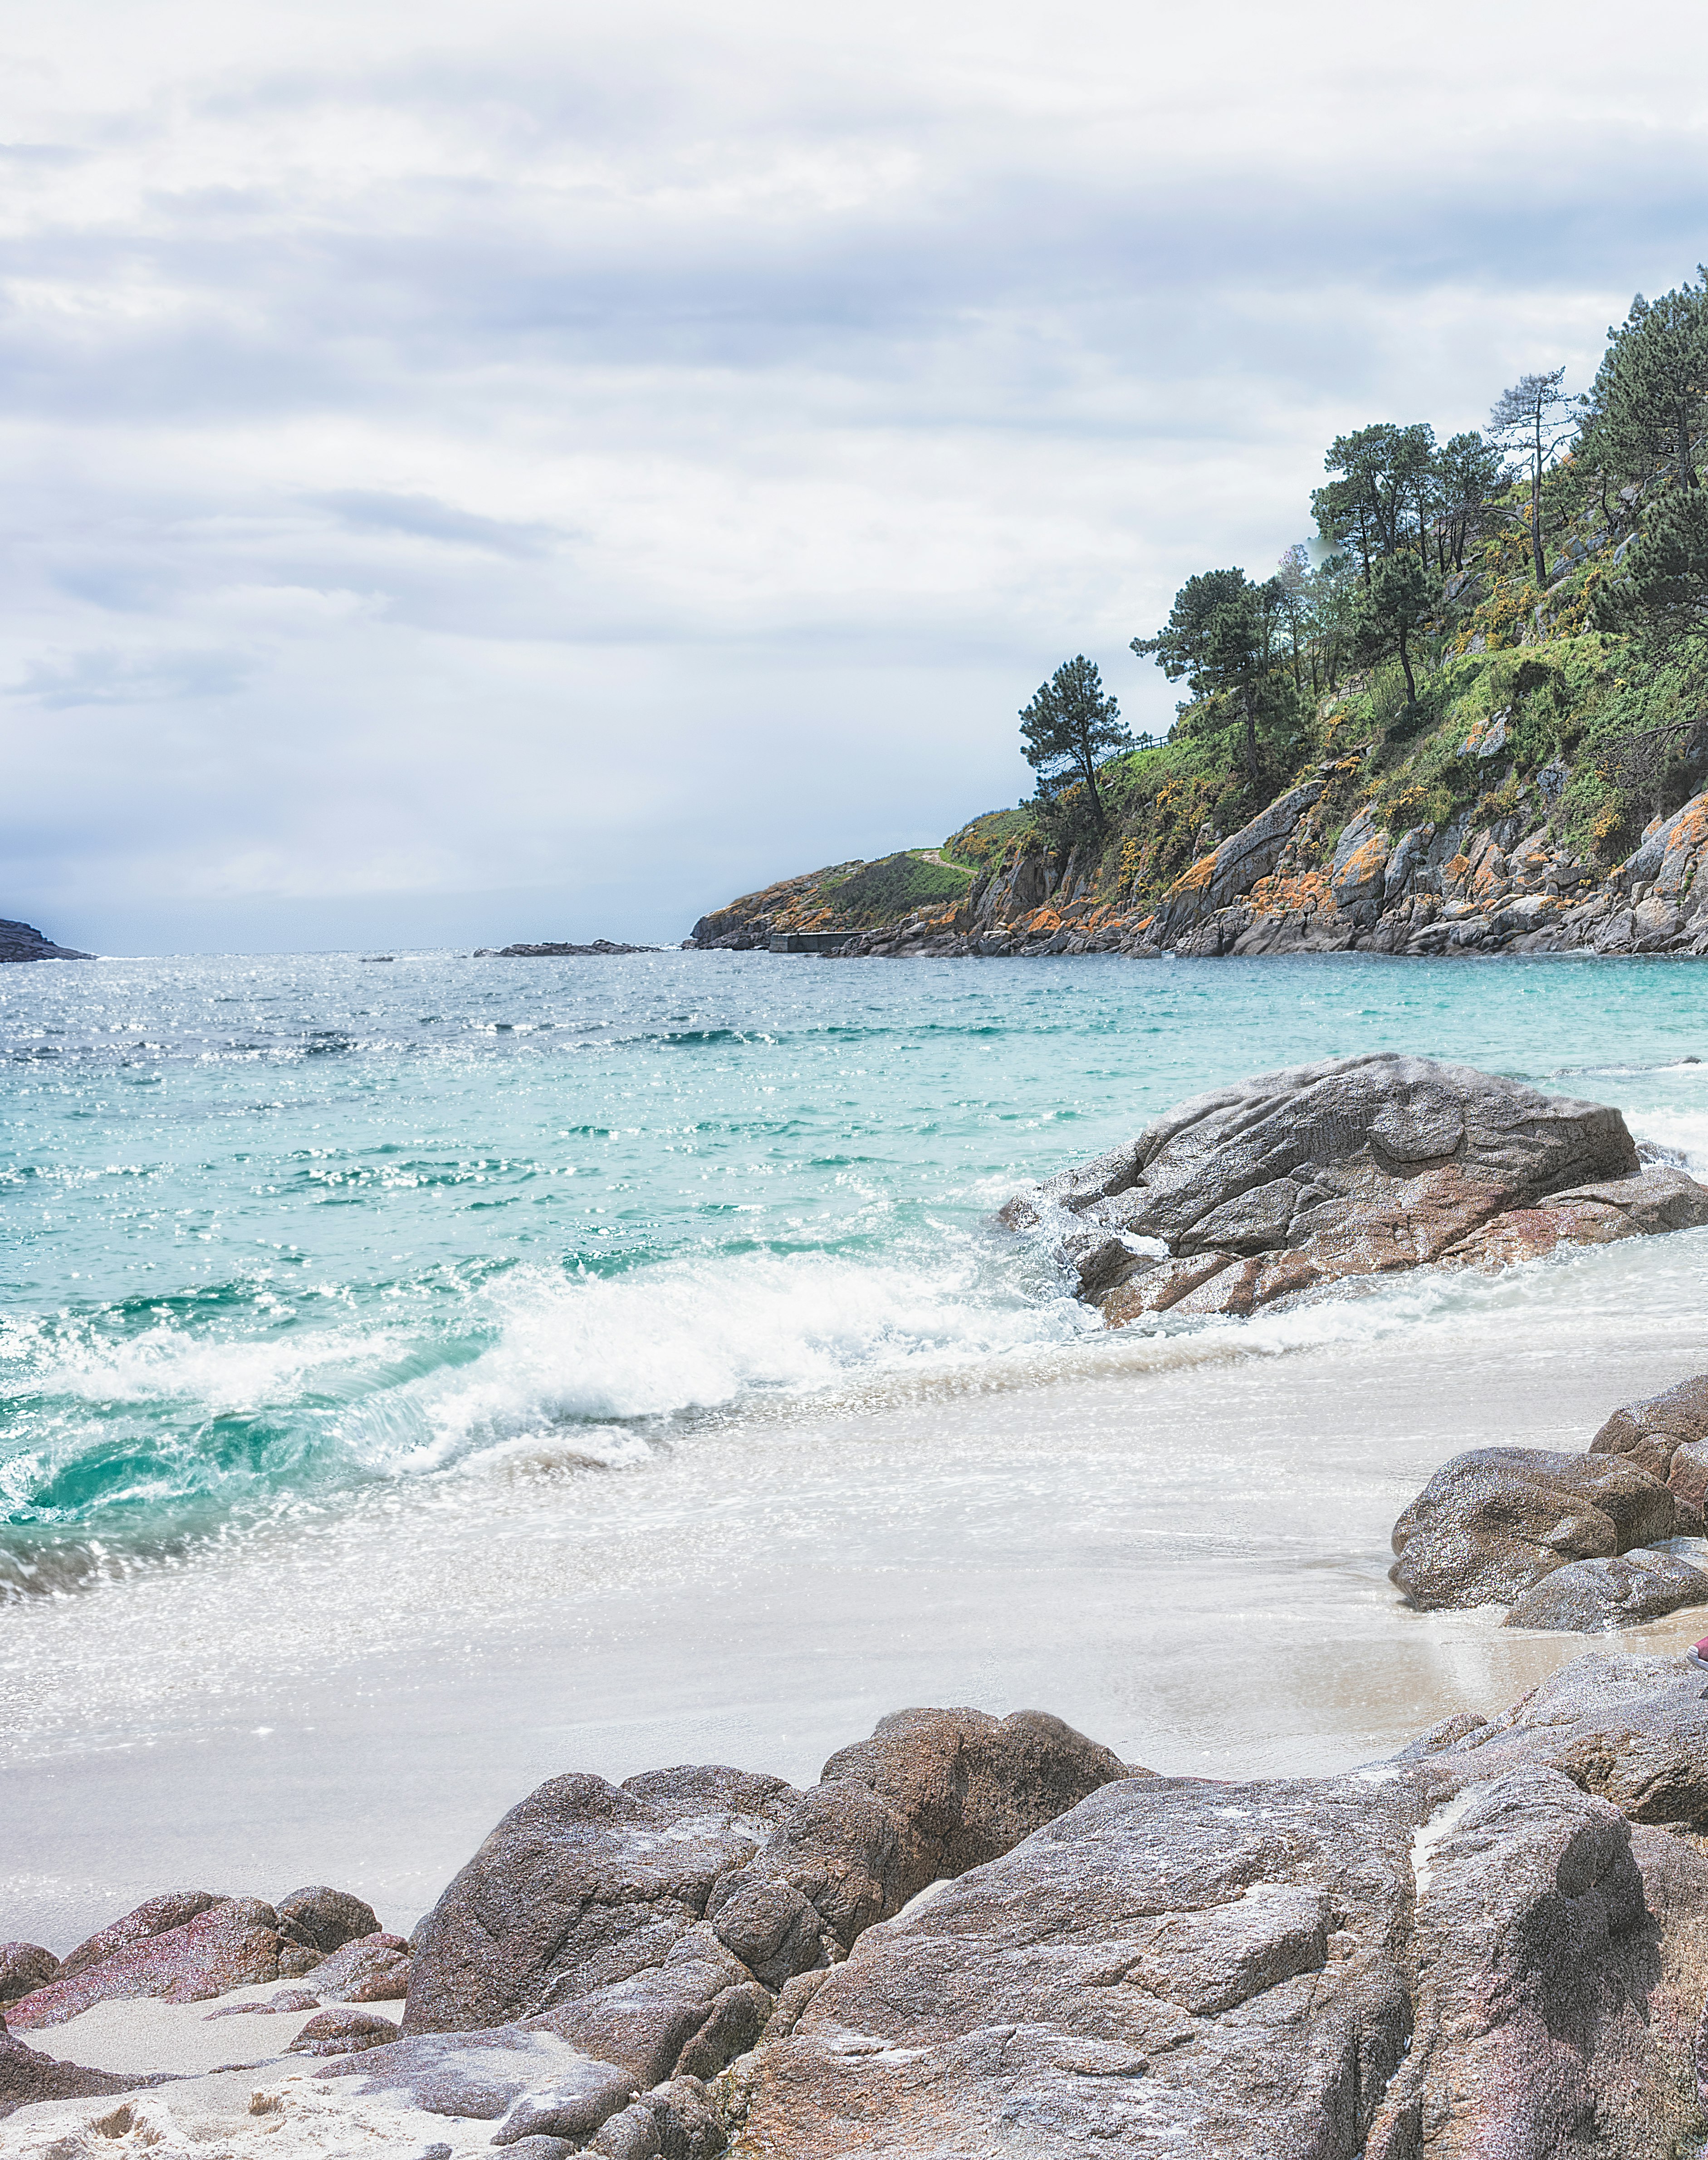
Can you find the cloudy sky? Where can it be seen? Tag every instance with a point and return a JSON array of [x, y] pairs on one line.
[[535, 470]]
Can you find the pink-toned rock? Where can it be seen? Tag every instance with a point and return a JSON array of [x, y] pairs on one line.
[[25, 1967], [343, 2032], [234, 1943], [154, 1916]]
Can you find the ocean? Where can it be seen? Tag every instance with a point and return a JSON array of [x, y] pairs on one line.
[[419, 1378]]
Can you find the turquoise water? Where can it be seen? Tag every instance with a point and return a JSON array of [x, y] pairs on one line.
[[280, 1230]]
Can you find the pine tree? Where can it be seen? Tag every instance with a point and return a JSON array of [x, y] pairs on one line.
[[1650, 394], [1536, 415], [1069, 727]]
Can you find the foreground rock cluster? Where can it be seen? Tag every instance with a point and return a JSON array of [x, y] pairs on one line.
[[1357, 1166], [987, 1938], [1279, 886]]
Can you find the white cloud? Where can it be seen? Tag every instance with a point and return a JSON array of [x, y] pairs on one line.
[[605, 460]]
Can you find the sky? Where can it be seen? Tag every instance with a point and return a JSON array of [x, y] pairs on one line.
[[524, 471]]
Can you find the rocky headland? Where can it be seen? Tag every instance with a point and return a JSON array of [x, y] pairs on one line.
[[1296, 879], [19, 941], [972, 1936]]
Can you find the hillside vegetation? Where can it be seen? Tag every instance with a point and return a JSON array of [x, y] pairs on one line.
[[1471, 645]]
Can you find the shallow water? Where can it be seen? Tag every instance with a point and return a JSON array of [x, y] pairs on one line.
[[417, 1380]]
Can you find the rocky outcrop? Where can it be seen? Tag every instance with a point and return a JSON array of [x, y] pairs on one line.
[[1666, 1434], [1492, 1523], [586, 1886], [1356, 1166], [1568, 1540], [931, 1794], [234, 1943], [1172, 1963], [19, 942], [1477, 1949], [343, 2032], [374, 1968], [1555, 1963], [652, 1923], [154, 1916], [1286, 883]]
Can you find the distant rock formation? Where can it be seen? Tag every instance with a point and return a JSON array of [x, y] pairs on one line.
[[19, 942], [601, 948]]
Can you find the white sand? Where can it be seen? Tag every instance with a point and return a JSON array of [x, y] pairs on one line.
[[140, 2033], [234, 2115], [226, 2063], [241, 2092]]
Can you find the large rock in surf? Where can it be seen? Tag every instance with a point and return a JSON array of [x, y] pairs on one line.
[[1356, 1166], [1492, 1522]]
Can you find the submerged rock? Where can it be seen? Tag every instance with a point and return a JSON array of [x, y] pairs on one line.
[[1355, 1166], [1593, 1595], [1492, 1522]]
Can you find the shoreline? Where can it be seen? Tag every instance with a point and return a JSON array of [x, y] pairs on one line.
[[1037, 1546]]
